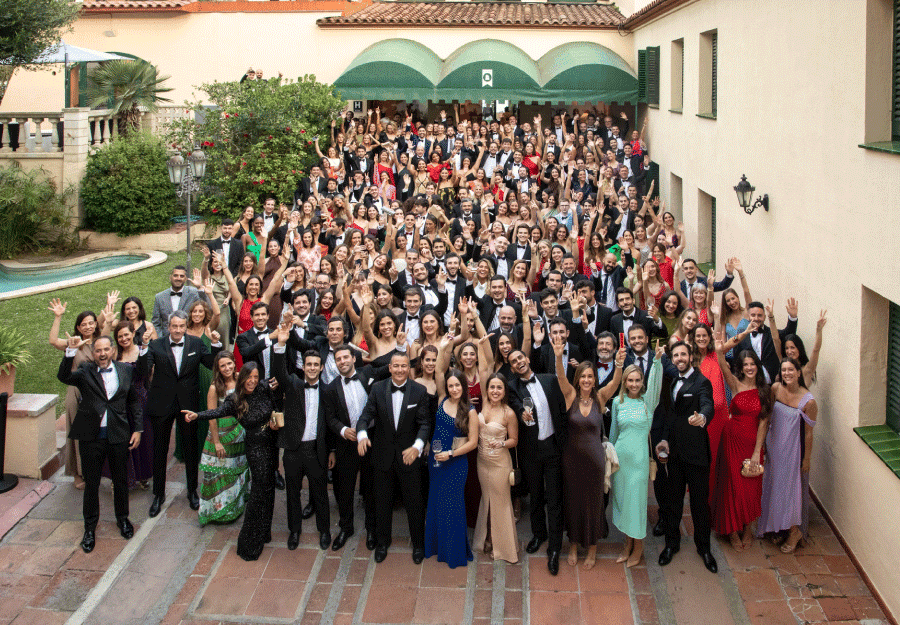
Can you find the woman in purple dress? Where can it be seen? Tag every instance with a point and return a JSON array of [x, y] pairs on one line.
[[785, 496]]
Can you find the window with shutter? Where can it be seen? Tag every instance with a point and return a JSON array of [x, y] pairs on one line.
[[653, 76], [642, 75], [892, 419], [895, 120], [712, 229], [715, 52]]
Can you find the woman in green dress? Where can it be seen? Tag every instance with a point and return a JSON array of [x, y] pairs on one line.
[[632, 415], [255, 240], [226, 477]]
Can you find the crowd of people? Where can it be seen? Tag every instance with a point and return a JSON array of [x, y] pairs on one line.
[[463, 316]]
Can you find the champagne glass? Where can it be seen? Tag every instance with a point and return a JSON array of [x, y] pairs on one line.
[[436, 448], [528, 405]]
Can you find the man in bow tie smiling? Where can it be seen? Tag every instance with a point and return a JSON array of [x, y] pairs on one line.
[[400, 417], [179, 297]]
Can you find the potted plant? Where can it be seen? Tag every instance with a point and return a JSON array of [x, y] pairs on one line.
[[14, 353]]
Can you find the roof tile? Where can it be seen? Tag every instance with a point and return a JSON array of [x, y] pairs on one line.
[[135, 4]]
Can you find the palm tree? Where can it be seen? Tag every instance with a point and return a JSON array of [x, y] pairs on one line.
[[124, 87]]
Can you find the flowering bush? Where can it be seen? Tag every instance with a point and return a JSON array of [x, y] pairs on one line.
[[258, 137]]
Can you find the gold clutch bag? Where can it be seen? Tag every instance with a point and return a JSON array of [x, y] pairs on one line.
[[277, 421]]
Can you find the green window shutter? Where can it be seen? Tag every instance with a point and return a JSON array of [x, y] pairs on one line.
[[642, 75], [895, 120], [712, 246], [715, 63], [653, 76], [892, 419], [652, 175]]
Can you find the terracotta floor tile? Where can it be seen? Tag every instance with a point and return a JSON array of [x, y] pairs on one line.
[[555, 607], [824, 586], [66, 533], [840, 565], [99, 559], [512, 604], [484, 576], [438, 575], [342, 619], [606, 609], [290, 565], [190, 588], [640, 580], [758, 585], [795, 586], [235, 566], [514, 576], [647, 609], [66, 590], [483, 602], [205, 563], [33, 531], [10, 607], [866, 608], [349, 599], [541, 579], [770, 613], [28, 586], [45, 560], [512, 621], [806, 610], [318, 598], [12, 556], [481, 621], [837, 608], [357, 572], [33, 616], [605, 577], [752, 558], [396, 570], [276, 598], [227, 595], [811, 564], [853, 587], [175, 615], [328, 570], [785, 563], [309, 618], [440, 606], [400, 608]]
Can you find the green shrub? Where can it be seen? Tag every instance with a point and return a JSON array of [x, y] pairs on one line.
[[126, 187], [33, 215]]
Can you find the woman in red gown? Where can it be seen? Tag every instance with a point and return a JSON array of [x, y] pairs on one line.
[[735, 503], [705, 356]]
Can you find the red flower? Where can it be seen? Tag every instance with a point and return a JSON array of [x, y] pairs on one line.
[[243, 163], [246, 135], [262, 182], [215, 210], [302, 131], [262, 154], [288, 129], [270, 136], [251, 114], [309, 143], [226, 115], [293, 171]]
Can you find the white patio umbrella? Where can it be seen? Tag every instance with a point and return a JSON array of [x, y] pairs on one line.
[[66, 53]]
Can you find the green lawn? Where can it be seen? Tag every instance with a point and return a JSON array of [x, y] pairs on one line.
[[31, 314]]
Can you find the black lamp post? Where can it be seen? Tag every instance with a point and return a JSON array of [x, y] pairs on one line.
[[745, 197], [185, 174]]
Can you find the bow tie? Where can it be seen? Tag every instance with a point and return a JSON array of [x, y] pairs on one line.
[[531, 380], [176, 293], [176, 344], [755, 333], [107, 370], [261, 333], [399, 389], [409, 317], [313, 386], [522, 247], [630, 318], [224, 241], [349, 379], [682, 378], [268, 217], [605, 365]]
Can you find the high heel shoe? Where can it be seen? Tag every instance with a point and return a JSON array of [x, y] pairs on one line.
[[736, 542], [488, 547], [793, 540]]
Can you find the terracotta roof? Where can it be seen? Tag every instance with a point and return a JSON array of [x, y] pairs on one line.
[[469, 14], [135, 4], [657, 7]]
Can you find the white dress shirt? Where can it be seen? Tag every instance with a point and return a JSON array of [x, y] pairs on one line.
[[268, 223], [177, 352], [176, 299], [226, 249], [312, 413], [355, 396], [679, 383], [329, 370], [541, 408], [412, 327], [263, 335], [110, 381]]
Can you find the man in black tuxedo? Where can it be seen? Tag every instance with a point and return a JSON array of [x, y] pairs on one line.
[[231, 248], [543, 357], [628, 315], [304, 439], [758, 336], [361, 162], [598, 314], [542, 437], [345, 398], [608, 280], [493, 302], [313, 184], [107, 426], [398, 414], [453, 283], [175, 363], [335, 335], [692, 276], [255, 344], [679, 430], [639, 350]]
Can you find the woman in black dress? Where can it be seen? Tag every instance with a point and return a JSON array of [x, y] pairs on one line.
[[251, 404]]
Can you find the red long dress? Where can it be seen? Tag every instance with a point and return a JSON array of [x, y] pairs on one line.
[[472, 488], [736, 500], [245, 322], [709, 367]]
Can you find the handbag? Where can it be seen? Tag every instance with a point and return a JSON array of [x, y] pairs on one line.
[[515, 475], [652, 469], [277, 421], [748, 470]]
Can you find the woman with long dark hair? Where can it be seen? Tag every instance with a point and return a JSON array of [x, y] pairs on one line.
[[455, 435], [251, 404], [793, 348], [735, 499]]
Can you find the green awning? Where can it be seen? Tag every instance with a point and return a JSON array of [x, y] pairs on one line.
[[586, 72], [393, 69], [488, 69]]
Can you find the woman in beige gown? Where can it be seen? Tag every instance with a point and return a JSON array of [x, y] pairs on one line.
[[499, 432]]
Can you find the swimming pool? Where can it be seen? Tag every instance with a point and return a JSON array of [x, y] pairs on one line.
[[20, 279]]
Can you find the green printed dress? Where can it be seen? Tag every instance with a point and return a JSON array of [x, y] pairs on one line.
[[226, 481]]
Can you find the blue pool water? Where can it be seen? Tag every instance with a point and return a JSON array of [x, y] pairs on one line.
[[15, 279]]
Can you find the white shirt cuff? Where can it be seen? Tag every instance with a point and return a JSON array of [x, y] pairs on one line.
[[419, 445], [219, 344], [71, 351], [142, 350], [792, 318], [278, 348], [343, 429], [401, 347], [361, 436]]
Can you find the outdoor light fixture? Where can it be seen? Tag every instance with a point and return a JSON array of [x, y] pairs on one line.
[[744, 192], [185, 174]]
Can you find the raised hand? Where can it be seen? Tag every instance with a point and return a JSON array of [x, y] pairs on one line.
[[714, 309], [792, 307], [57, 307], [401, 335], [653, 311], [148, 336], [215, 337], [74, 342], [770, 306], [822, 321], [620, 356], [737, 265], [197, 279], [205, 251], [463, 306], [559, 346], [208, 286], [720, 340], [697, 420], [112, 298], [537, 333], [711, 277]]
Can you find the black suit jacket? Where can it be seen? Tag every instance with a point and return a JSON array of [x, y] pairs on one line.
[[388, 442], [690, 443], [771, 359], [600, 315], [252, 348], [487, 309], [235, 253], [528, 434], [304, 188], [295, 414], [616, 325], [123, 410], [356, 164], [543, 359], [171, 391], [336, 404]]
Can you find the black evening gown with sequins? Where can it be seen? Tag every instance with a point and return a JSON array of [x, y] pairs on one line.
[[261, 449]]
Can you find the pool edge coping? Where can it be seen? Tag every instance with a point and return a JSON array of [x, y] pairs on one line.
[[153, 258]]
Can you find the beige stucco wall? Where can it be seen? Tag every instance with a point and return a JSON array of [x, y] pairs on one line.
[[792, 109], [194, 48]]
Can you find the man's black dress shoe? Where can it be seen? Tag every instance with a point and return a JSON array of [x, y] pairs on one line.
[[279, 483], [193, 500], [418, 555], [125, 527], [667, 554], [340, 539], [534, 544], [658, 529], [324, 540], [553, 562], [87, 543], [155, 506], [293, 540], [308, 510], [380, 553], [370, 540], [709, 562]]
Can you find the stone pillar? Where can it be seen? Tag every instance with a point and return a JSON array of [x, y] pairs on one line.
[[75, 153], [31, 435]]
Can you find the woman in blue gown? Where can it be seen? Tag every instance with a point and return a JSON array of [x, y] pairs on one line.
[[455, 422]]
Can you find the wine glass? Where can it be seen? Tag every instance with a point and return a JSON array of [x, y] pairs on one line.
[[436, 448], [528, 405]]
